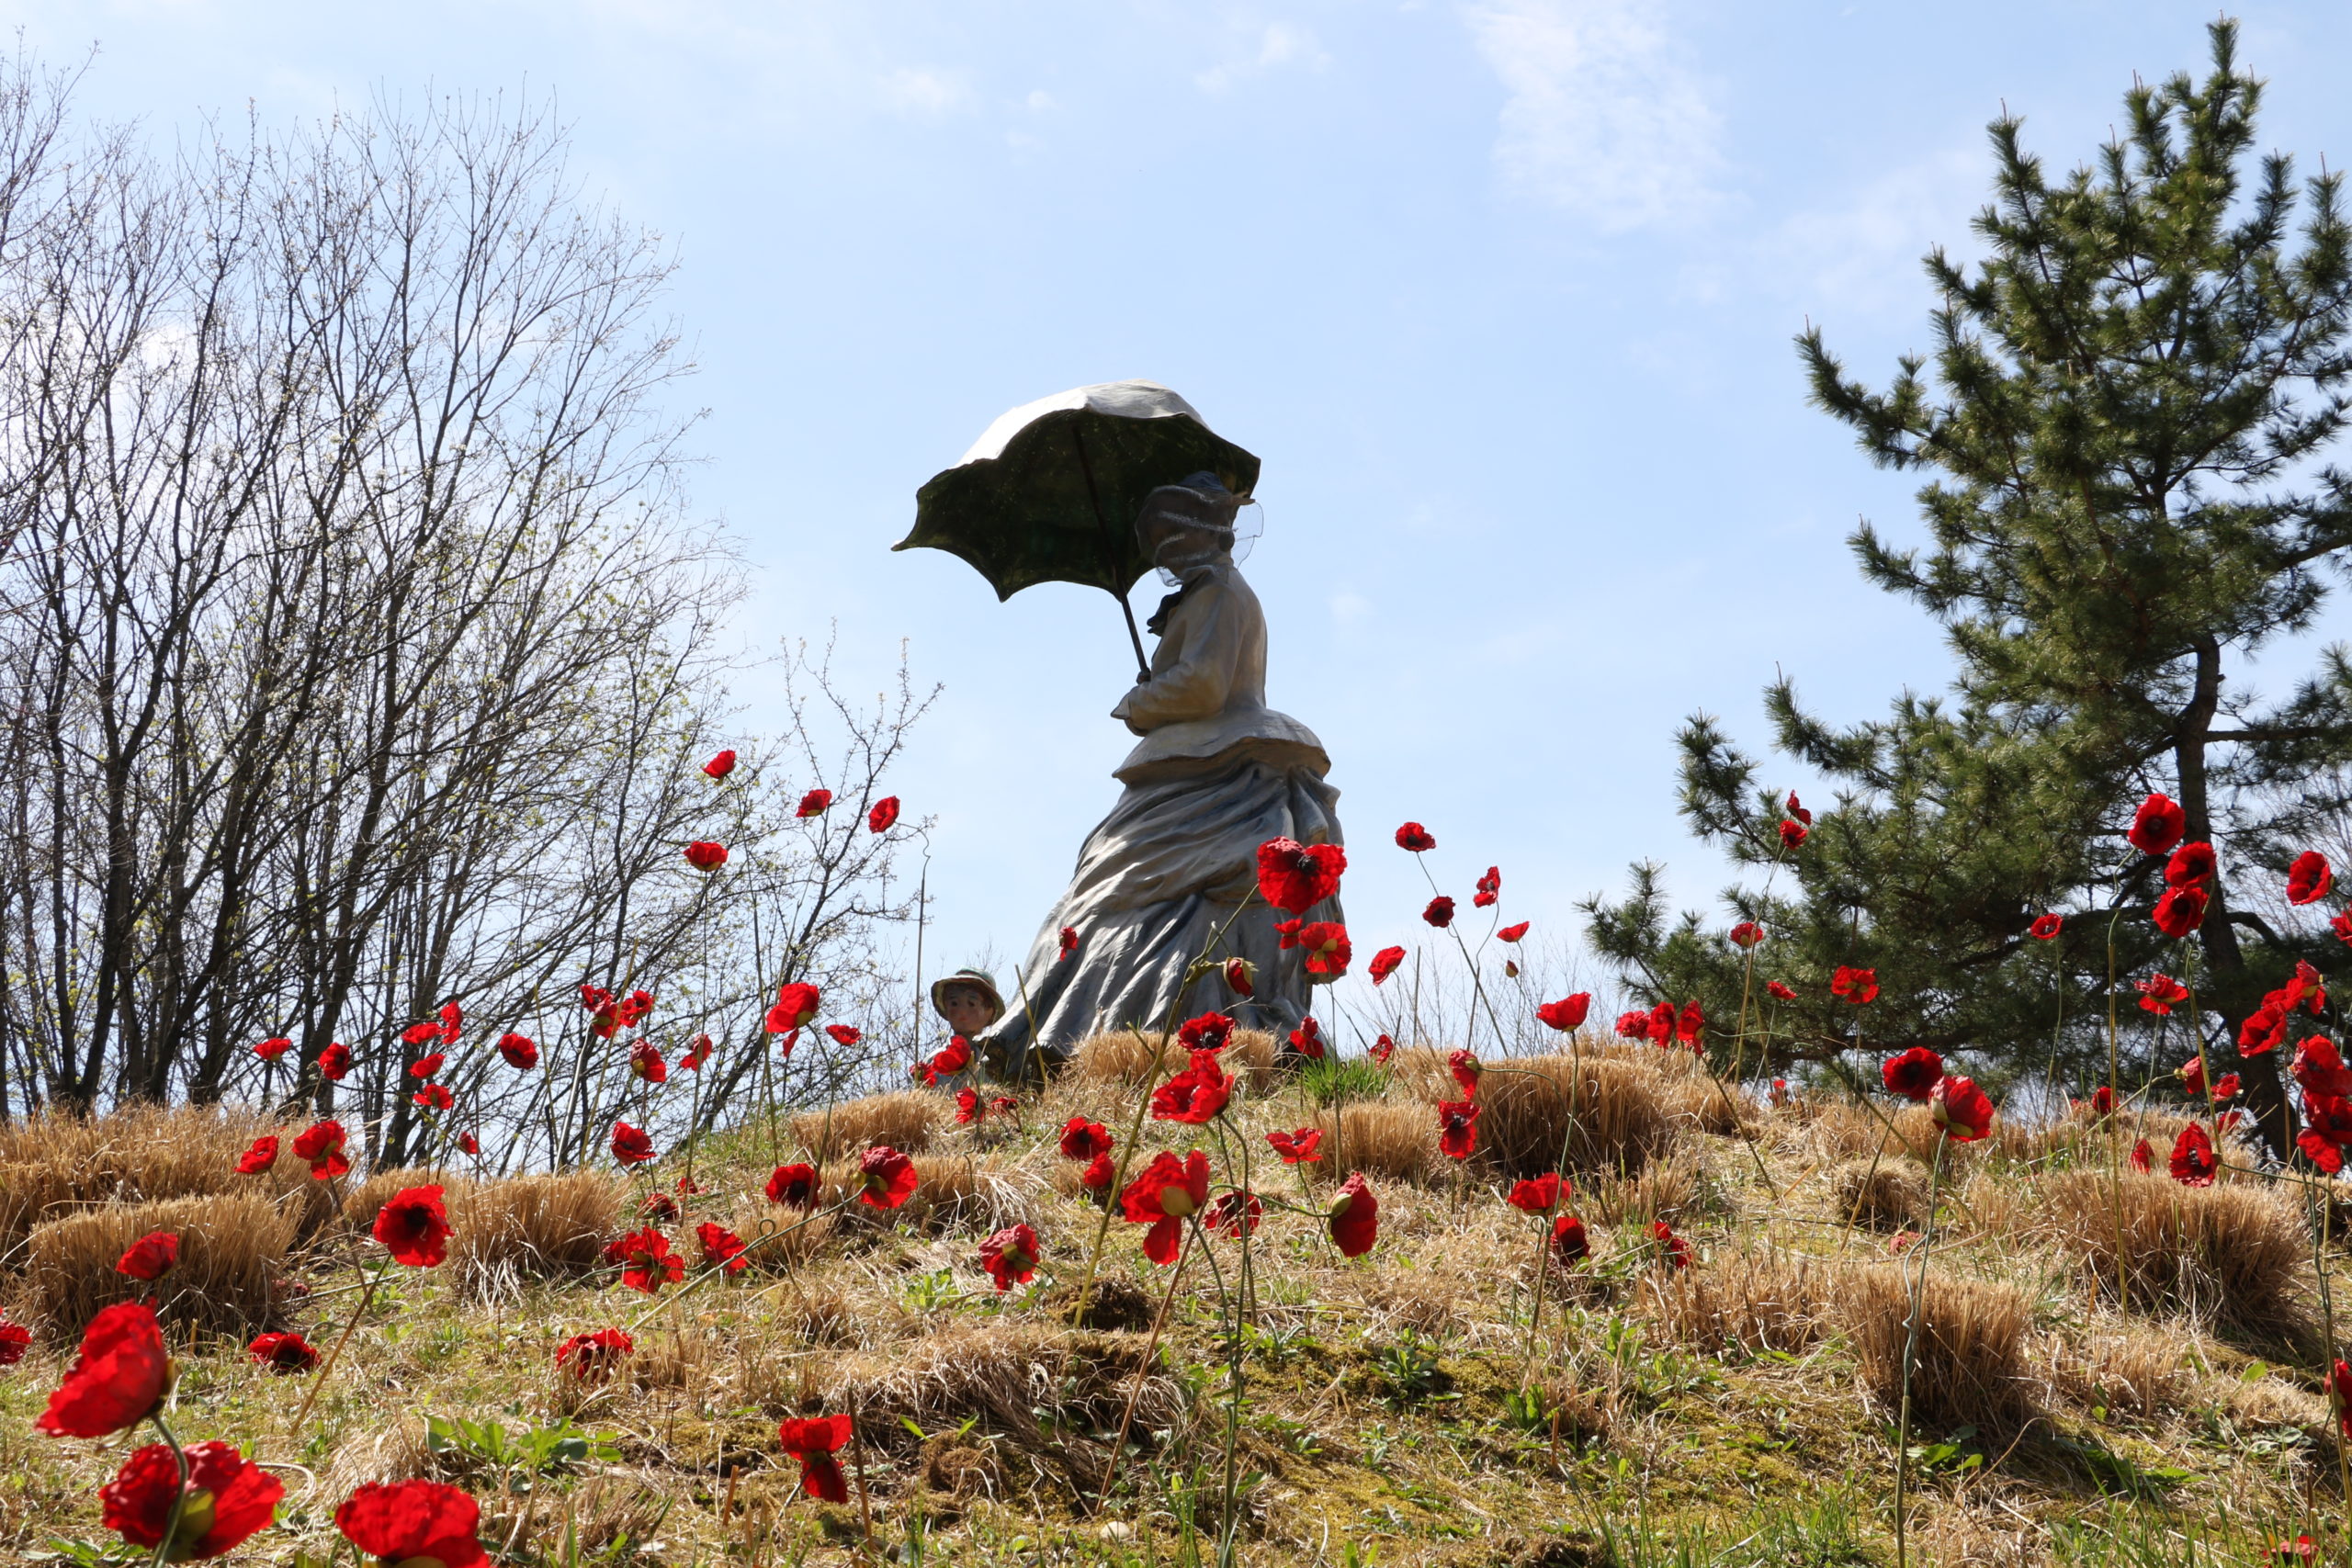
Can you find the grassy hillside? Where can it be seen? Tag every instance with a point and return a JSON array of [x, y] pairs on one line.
[[2112, 1367]]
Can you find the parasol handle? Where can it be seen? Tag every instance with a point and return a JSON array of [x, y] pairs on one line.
[[1109, 558]]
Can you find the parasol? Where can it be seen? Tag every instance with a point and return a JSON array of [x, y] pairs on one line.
[[1050, 491]]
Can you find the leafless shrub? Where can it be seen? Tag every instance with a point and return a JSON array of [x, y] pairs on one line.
[[1970, 1369], [229, 1279]]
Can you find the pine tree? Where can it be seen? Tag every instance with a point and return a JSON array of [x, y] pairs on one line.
[[2131, 401]]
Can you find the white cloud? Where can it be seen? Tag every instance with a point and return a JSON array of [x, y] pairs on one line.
[[1602, 116], [924, 91], [1862, 255], [1278, 44]]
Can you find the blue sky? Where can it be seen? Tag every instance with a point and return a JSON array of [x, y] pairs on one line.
[[1502, 294]]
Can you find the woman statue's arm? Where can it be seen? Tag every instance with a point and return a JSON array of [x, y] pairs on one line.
[[1197, 684]]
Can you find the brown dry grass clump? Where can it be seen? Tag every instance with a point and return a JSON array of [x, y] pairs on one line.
[[1124, 1057], [2228, 1254], [2127, 1367], [1750, 1301], [54, 1163], [903, 1119], [532, 1227], [1971, 1365], [1605, 1114], [1668, 1190], [951, 1193], [229, 1279], [362, 1203], [1396, 1141], [1879, 1193]]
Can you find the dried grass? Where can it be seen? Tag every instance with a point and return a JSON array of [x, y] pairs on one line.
[[1879, 1193], [1669, 1189], [365, 1200], [2229, 1254], [229, 1279], [951, 1193], [1124, 1057], [532, 1227], [1604, 1114], [1398, 1141], [53, 1164], [903, 1120], [1970, 1369], [1752, 1301], [2126, 1367]]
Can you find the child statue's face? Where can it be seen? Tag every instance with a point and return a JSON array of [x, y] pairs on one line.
[[965, 1009]]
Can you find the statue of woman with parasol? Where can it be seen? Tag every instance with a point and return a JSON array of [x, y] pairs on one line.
[[1216, 772]]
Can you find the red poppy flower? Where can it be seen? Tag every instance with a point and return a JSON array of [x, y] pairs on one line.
[[414, 1227], [592, 1358], [1294, 877], [1207, 1033], [2180, 911], [151, 1257], [886, 1177], [2339, 1391], [1635, 1025], [2157, 826], [1509, 933], [2103, 1100], [1010, 1256], [2302, 1549], [2193, 1160], [1691, 1023], [224, 1498], [2264, 1031], [1195, 1095], [1779, 992], [1385, 963], [1747, 933], [1168, 1190], [814, 803], [967, 1106], [704, 855], [1457, 1124], [418, 1033], [2227, 1088], [719, 767], [697, 1053], [1099, 1174], [1793, 834], [1490, 887], [2159, 992], [1440, 912], [335, 1061], [1328, 950], [120, 1376], [1381, 1050], [630, 1145], [401, 1521], [794, 1184], [1798, 811], [796, 1004], [1355, 1217], [322, 1143], [2143, 1157], [884, 815], [1241, 978], [645, 1063], [1297, 1148], [283, 1353], [1465, 1069], [2191, 866], [15, 1340], [1565, 1014], [1960, 1109], [657, 1206], [814, 1442], [2309, 878], [1778, 1093], [1307, 1040], [1539, 1194], [435, 1097], [425, 1067], [1857, 986], [2342, 927], [1913, 1074], [2327, 1129], [721, 1248], [946, 1062], [647, 1263], [1672, 1248], [1414, 837], [2304, 988], [260, 1157], [1570, 1246], [632, 1008], [2047, 926], [2320, 1068], [520, 1051], [276, 1046], [1082, 1139]]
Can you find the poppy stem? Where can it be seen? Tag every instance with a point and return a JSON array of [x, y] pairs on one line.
[[1143, 1369], [179, 1498], [857, 1459], [351, 1324], [1910, 1359]]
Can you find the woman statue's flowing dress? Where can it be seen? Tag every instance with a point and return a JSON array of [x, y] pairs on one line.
[[1217, 774]]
